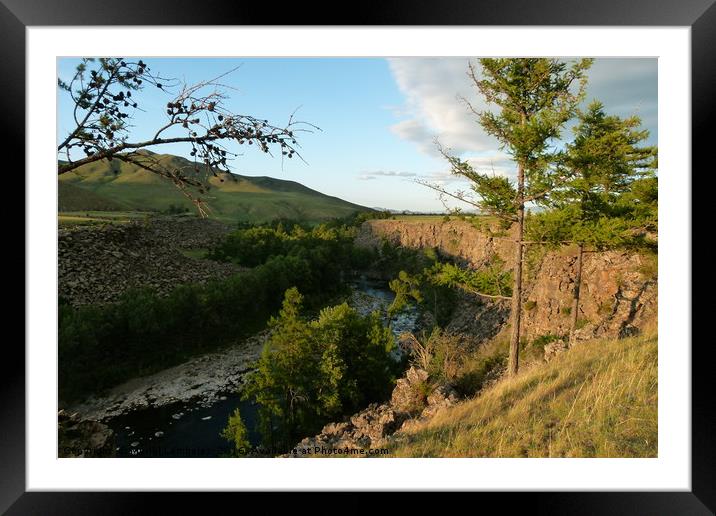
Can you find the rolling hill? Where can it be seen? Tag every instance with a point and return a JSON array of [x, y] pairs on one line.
[[119, 186]]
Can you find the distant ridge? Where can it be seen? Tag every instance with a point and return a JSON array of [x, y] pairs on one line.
[[116, 185]]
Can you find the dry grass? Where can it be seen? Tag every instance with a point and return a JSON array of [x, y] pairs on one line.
[[597, 400]]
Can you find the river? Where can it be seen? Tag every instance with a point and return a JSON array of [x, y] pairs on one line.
[[157, 426]]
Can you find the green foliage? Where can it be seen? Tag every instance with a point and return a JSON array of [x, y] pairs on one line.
[[542, 340], [649, 268], [416, 283], [605, 308], [535, 98], [433, 284], [610, 189], [103, 345], [406, 288], [332, 246], [448, 359], [392, 259], [312, 372], [559, 226], [173, 209], [235, 432], [581, 323], [491, 279]]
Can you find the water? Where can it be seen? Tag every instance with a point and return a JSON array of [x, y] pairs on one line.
[[192, 430], [370, 295]]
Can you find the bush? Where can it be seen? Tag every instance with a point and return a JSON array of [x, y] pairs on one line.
[[332, 245], [236, 433], [447, 359], [312, 372]]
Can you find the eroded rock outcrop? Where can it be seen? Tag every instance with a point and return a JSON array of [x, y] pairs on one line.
[[618, 295]]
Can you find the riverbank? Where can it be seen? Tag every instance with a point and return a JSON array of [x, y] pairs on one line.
[[180, 411], [200, 379]]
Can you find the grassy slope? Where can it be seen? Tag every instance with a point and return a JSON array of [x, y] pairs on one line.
[[254, 199], [74, 198], [597, 400]]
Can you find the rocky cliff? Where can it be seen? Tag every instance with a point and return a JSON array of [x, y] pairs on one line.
[[619, 289]]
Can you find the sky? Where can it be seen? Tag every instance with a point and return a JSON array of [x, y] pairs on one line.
[[378, 117]]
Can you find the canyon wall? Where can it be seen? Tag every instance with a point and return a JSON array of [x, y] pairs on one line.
[[619, 288]]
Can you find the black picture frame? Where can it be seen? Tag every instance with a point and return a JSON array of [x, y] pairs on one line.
[[16, 15]]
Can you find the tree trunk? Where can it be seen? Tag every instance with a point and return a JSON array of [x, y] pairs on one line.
[[517, 286], [575, 298]]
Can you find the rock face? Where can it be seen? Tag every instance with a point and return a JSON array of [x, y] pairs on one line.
[[83, 438], [413, 398], [97, 264], [617, 298]]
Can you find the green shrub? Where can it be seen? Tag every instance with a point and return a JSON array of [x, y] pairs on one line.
[[649, 268], [448, 359], [312, 372], [235, 432], [605, 308], [101, 346]]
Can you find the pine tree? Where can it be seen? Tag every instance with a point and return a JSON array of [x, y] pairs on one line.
[[534, 99], [603, 201]]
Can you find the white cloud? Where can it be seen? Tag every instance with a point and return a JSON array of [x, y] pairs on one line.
[[433, 86], [432, 89], [365, 176]]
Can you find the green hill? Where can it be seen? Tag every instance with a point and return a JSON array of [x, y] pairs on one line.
[[597, 400], [74, 198], [116, 186]]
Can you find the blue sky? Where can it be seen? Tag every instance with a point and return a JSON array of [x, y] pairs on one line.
[[378, 117]]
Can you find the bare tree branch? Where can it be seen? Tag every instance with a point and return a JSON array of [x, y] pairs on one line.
[[199, 110]]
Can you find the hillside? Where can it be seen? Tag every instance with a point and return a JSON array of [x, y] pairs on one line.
[[597, 400], [75, 198], [116, 185]]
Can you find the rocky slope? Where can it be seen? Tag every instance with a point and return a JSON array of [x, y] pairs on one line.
[[97, 264], [619, 289], [414, 399]]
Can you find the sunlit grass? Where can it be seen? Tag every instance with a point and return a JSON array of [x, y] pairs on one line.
[[597, 400]]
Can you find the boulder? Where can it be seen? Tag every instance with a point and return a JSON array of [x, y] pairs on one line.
[[442, 395], [416, 376], [554, 348]]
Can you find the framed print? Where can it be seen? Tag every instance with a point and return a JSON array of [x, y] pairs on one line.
[[426, 237]]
